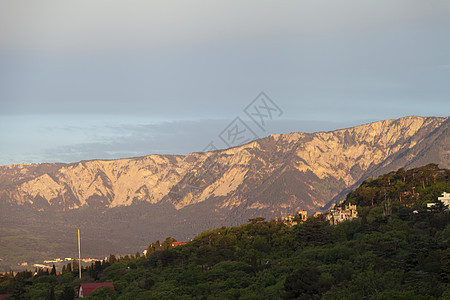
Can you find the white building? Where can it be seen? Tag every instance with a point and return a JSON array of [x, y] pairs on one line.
[[445, 198]]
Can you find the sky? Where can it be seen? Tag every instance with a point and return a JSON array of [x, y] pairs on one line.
[[105, 79]]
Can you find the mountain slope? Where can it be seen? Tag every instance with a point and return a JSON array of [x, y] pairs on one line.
[[273, 175]]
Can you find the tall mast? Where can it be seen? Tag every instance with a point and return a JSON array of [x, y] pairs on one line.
[[64, 199], [79, 254]]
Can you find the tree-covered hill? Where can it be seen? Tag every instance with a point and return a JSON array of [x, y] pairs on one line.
[[412, 187], [395, 251]]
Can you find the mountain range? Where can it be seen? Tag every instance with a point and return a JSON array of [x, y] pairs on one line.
[[273, 174], [181, 195]]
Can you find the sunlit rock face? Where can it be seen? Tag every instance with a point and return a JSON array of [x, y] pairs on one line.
[[277, 174]]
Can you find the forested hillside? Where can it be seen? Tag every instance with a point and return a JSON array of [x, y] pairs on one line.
[[416, 186], [396, 249]]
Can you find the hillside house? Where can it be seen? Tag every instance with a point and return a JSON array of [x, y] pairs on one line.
[[339, 214], [291, 220], [84, 289], [303, 214], [174, 244], [445, 199]]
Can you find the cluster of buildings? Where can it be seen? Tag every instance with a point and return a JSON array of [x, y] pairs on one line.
[[49, 262], [339, 214], [292, 220], [348, 212], [336, 215], [445, 199]]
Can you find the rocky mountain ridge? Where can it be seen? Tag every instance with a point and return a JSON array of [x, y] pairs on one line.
[[282, 172]]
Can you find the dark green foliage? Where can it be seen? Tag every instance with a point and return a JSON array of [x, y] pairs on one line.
[[312, 232], [68, 293], [303, 283], [256, 220], [112, 259], [19, 292], [103, 293], [75, 266], [53, 272], [51, 294]]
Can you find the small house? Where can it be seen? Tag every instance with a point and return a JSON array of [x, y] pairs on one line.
[[174, 244], [84, 289]]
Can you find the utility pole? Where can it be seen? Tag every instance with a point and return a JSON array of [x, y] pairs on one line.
[[64, 199], [79, 254]]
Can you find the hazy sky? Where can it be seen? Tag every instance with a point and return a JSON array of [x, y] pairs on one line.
[[109, 79]]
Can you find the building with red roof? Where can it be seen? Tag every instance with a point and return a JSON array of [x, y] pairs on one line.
[[174, 244], [87, 288]]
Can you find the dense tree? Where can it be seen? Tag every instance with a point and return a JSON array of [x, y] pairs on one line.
[[112, 259], [168, 242], [303, 283], [53, 272], [313, 231], [51, 294], [256, 220], [411, 187], [68, 293]]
